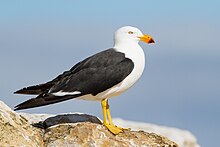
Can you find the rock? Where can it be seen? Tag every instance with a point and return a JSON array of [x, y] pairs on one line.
[[66, 118], [16, 130], [182, 137], [91, 134], [86, 130]]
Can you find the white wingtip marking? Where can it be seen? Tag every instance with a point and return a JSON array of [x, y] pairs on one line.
[[61, 93]]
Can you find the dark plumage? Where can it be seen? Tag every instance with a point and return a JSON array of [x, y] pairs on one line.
[[90, 76]]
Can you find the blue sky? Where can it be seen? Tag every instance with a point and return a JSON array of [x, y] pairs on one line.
[[181, 83]]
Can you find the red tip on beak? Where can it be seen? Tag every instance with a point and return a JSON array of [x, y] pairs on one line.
[[147, 38], [151, 40]]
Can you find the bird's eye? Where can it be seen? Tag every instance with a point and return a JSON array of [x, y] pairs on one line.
[[130, 32]]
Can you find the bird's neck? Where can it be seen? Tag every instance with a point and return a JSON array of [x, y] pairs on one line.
[[127, 46], [132, 51]]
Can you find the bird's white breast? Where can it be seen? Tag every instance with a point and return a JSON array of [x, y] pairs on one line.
[[136, 54]]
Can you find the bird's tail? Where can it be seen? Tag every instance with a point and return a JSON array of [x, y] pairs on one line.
[[42, 100], [35, 90]]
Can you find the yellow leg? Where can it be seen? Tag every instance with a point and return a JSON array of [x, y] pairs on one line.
[[104, 112], [109, 114], [110, 118], [109, 124]]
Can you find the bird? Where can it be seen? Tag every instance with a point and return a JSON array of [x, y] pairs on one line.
[[99, 77]]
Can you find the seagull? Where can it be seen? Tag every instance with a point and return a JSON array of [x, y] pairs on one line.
[[99, 77]]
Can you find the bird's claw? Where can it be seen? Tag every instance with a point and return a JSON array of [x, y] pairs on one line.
[[114, 129]]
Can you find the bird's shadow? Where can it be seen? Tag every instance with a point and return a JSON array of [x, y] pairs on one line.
[[66, 118]]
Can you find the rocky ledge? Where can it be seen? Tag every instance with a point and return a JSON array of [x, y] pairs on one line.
[[18, 129]]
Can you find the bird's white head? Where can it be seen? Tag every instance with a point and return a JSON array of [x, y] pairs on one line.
[[131, 34]]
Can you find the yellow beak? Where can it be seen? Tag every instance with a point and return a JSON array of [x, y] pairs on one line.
[[147, 38]]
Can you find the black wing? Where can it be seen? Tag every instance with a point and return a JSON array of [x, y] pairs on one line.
[[95, 80], [101, 59], [91, 76]]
